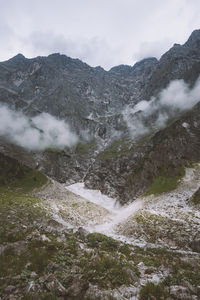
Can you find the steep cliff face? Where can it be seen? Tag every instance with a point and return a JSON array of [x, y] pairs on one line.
[[153, 159], [92, 100], [89, 99], [158, 160], [69, 88], [180, 62]]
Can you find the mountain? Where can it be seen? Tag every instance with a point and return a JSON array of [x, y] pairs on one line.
[[138, 131], [132, 171], [180, 62], [91, 100]]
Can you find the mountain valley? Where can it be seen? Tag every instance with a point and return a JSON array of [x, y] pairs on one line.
[[113, 210]]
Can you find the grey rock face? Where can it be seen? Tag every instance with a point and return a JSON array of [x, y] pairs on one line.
[[89, 99], [180, 62], [69, 88], [93, 99], [127, 174], [195, 245]]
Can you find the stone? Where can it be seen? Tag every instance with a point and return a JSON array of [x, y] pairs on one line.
[[44, 238], [82, 231], [180, 292], [195, 245], [9, 289], [33, 275], [52, 284], [190, 287], [130, 273], [52, 266], [78, 288], [32, 287]]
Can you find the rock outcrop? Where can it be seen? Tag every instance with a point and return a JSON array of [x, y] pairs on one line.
[[127, 174]]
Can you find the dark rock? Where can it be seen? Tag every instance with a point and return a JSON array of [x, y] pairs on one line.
[[130, 174], [52, 266], [195, 245], [180, 62], [130, 274], [9, 289], [32, 287], [82, 231], [52, 284], [78, 288], [190, 287], [33, 275], [180, 293]]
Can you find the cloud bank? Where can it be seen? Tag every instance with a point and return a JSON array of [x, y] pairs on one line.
[[37, 133], [148, 116], [105, 33]]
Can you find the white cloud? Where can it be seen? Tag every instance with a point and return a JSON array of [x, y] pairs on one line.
[[37, 133], [152, 49], [154, 114], [100, 32], [95, 48]]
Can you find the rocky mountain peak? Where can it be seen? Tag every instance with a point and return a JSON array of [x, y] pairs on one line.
[[91, 99], [17, 58], [194, 39], [120, 68], [144, 62]]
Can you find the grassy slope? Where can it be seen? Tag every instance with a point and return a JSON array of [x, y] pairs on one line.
[[23, 222], [102, 261], [165, 183]]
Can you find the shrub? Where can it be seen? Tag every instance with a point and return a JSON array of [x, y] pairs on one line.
[[153, 291]]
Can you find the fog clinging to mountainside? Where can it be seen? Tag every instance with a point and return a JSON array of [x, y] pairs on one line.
[[176, 98], [36, 133]]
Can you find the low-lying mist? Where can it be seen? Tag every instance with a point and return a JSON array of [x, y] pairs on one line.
[[148, 116], [36, 133]]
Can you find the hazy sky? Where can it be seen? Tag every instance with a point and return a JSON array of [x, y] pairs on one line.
[[99, 32]]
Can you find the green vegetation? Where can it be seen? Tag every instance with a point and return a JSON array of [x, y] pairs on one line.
[[153, 291], [31, 249], [117, 148], [17, 208], [142, 140], [107, 271], [154, 257], [181, 269], [57, 150], [196, 197], [31, 180], [151, 262], [20, 215], [84, 148], [182, 272], [14, 175], [165, 183], [36, 254], [102, 241], [16, 203], [157, 227]]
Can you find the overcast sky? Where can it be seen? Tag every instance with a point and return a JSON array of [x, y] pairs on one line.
[[99, 32]]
